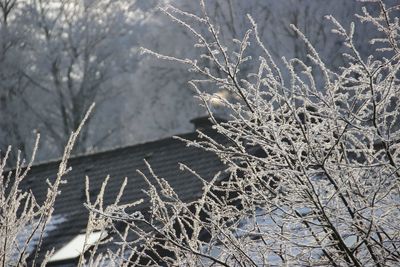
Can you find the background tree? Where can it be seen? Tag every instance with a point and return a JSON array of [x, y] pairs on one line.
[[60, 56], [12, 83], [78, 50]]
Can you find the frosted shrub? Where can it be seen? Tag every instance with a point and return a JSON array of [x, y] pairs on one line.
[[24, 221], [312, 159]]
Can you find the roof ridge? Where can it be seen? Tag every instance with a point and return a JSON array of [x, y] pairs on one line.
[[105, 151]]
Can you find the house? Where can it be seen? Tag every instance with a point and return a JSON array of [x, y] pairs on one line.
[[66, 230]]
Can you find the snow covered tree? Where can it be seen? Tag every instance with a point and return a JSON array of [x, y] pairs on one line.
[[57, 57], [312, 155], [78, 49]]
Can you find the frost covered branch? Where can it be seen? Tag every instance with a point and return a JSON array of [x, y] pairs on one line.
[[23, 220], [312, 156]]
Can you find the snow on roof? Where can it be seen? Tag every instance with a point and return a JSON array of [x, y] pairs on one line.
[[75, 247], [23, 237]]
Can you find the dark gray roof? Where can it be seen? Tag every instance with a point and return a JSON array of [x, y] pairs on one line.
[[163, 155]]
